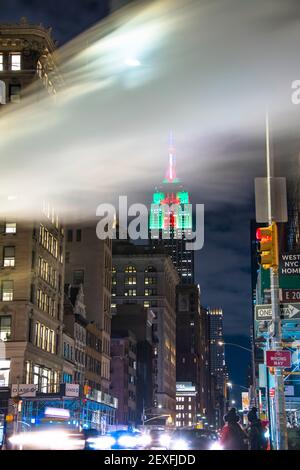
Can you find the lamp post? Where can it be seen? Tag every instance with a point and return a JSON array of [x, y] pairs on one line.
[[251, 351]]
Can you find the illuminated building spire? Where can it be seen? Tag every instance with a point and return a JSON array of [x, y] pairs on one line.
[[171, 172]]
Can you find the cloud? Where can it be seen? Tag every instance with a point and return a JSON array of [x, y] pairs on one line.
[[208, 70]]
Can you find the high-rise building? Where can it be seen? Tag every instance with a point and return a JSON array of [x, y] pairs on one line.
[[88, 262], [192, 353], [123, 375], [31, 304], [139, 320], [171, 221], [27, 62], [32, 273], [145, 277], [76, 323], [217, 360]]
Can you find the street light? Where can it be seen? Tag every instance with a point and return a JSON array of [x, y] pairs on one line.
[[148, 409], [230, 385], [222, 343]]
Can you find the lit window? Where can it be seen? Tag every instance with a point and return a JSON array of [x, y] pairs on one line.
[[10, 227], [7, 291], [130, 269], [146, 304], [5, 328], [130, 292], [150, 280], [15, 61], [9, 256], [1, 63], [130, 280]]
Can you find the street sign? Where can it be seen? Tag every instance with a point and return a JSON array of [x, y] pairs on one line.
[[290, 264], [279, 358], [288, 311], [290, 295], [23, 390]]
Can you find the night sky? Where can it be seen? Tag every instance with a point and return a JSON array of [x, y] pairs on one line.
[[223, 266]]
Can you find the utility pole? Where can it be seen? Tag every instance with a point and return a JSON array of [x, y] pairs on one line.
[[276, 334]]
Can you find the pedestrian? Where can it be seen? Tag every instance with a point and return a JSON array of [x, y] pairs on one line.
[[257, 438], [233, 437]]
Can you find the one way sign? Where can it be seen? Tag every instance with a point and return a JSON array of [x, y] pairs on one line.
[[287, 311]]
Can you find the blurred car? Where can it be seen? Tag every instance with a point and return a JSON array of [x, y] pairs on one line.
[[45, 438], [194, 439], [90, 436], [159, 439], [121, 439]]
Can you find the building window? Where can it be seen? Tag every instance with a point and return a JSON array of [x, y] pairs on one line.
[[15, 93], [10, 227], [131, 280], [5, 327], [150, 269], [130, 269], [78, 277], [9, 256], [70, 235], [147, 304], [78, 235], [130, 292], [150, 280], [150, 292], [1, 62], [7, 291], [15, 61]]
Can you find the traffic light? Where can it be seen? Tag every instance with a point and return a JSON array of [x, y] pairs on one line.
[[267, 246]]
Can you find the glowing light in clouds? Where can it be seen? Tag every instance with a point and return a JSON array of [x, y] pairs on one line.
[[197, 67]]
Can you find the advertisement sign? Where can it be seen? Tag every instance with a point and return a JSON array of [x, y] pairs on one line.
[[23, 390], [71, 390], [278, 358], [245, 401], [185, 387]]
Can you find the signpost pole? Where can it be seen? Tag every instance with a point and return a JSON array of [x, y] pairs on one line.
[[280, 410]]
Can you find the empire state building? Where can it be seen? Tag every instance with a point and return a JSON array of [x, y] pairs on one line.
[[171, 221]]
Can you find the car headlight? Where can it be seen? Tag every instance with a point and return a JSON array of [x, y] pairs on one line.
[[101, 442], [180, 444], [216, 446], [165, 440], [144, 440], [127, 441]]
